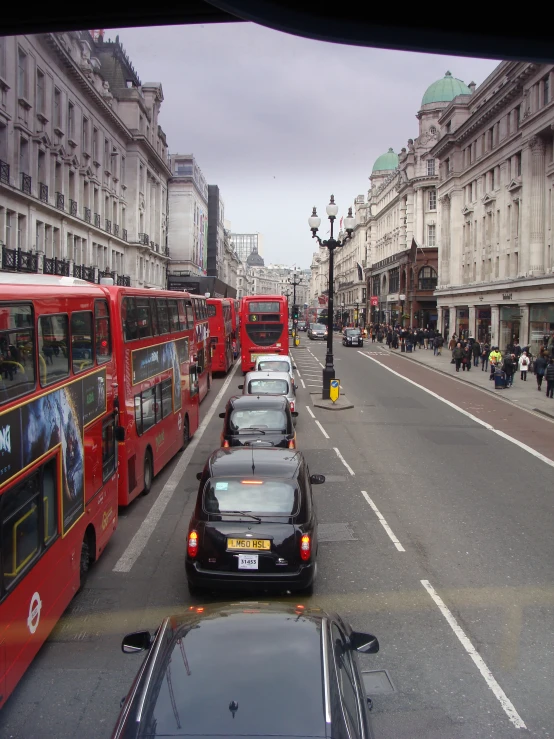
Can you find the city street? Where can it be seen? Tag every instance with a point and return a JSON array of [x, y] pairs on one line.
[[436, 535]]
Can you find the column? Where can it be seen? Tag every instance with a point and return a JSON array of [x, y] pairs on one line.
[[444, 249], [452, 321], [524, 325], [419, 217], [536, 242], [495, 325], [472, 331]]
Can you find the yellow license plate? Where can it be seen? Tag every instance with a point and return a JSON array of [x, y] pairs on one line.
[[251, 545]]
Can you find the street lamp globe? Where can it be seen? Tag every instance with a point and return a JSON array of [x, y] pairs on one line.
[[314, 221], [349, 221], [332, 209]]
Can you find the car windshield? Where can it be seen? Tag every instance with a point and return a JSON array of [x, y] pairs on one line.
[[274, 365], [352, 331], [262, 497], [268, 386], [271, 418], [318, 327]]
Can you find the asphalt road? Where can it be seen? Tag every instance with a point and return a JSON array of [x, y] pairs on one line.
[[447, 557]]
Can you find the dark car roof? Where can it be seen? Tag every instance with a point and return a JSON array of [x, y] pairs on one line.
[[265, 659], [254, 401], [270, 462]]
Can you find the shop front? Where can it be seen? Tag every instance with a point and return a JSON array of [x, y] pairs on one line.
[[541, 324], [462, 323], [510, 325], [483, 324]]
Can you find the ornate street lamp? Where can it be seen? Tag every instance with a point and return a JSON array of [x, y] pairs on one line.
[[331, 243]]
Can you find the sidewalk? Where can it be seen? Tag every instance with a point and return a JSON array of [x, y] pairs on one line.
[[522, 394]]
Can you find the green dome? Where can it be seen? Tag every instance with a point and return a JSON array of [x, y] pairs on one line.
[[445, 90], [386, 162]]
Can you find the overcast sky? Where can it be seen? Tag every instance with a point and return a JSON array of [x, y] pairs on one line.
[[280, 122]]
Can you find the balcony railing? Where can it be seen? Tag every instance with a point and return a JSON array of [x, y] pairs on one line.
[[97, 220], [144, 239], [88, 215], [124, 280], [17, 260], [124, 234], [108, 226], [43, 192], [83, 272], [4, 172], [56, 266], [73, 207], [60, 201], [116, 229], [26, 183]]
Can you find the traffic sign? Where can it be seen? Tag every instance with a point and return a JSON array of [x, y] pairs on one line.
[[334, 390]]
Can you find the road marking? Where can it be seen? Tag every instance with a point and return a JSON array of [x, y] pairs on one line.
[[343, 460], [486, 425], [303, 383], [298, 372], [325, 434], [310, 411], [383, 522], [140, 539], [503, 699]]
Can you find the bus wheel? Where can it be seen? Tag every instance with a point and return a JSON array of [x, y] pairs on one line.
[[148, 472]]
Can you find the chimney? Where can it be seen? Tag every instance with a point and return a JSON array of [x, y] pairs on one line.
[[472, 87]]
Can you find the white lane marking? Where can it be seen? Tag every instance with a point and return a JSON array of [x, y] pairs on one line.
[[298, 372], [503, 699], [140, 539], [486, 425], [383, 522], [310, 411], [325, 434], [343, 460], [303, 383]]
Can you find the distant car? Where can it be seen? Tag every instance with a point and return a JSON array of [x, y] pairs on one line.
[[275, 363], [248, 670], [352, 337], [254, 523], [253, 420], [290, 327], [317, 331], [270, 383], [302, 326]]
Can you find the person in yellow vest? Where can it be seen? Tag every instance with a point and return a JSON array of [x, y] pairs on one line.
[[495, 358]]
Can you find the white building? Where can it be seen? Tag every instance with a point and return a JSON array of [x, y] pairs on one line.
[[188, 217], [349, 263], [496, 195], [83, 161]]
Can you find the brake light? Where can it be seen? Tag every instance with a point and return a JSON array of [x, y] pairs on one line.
[[192, 546], [252, 482], [291, 402], [292, 444], [225, 444], [305, 548]]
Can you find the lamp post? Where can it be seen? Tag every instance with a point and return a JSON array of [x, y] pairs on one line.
[[357, 314], [402, 299], [331, 243], [295, 283]]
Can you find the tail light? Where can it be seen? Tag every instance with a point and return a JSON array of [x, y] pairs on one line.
[[292, 444], [192, 545], [225, 444], [305, 548], [291, 403]]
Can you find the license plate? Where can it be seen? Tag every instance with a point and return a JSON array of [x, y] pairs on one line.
[[248, 561], [250, 544]]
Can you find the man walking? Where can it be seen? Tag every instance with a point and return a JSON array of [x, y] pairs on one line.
[[541, 363], [509, 369], [458, 355], [476, 351], [485, 351]]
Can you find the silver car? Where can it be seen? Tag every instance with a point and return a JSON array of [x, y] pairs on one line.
[[317, 331], [276, 363], [270, 383]]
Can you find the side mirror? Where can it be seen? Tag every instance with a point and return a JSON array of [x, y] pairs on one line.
[[317, 479], [138, 641], [120, 433], [294, 366], [364, 643], [241, 387], [222, 415], [198, 475], [294, 414]]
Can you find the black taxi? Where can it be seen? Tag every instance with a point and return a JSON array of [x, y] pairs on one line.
[[263, 421]]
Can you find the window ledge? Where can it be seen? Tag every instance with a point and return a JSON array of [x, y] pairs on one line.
[[24, 103], [42, 118]]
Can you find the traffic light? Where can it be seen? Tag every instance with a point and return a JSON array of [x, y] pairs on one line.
[[295, 313]]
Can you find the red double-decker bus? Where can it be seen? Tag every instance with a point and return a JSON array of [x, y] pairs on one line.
[[263, 327], [202, 354], [221, 333], [154, 341], [235, 319], [58, 454]]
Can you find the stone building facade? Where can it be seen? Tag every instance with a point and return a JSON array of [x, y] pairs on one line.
[[496, 149], [349, 262], [83, 162]]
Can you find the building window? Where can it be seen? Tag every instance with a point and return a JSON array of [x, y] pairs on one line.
[[95, 144], [491, 138], [427, 278], [431, 235], [3, 56], [122, 177], [518, 164], [22, 67], [84, 142], [106, 153], [40, 92], [432, 199], [57, 108], [70, 120], [433, 130], [447, 167], [430, 166]]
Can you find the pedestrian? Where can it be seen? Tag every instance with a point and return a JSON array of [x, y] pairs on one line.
[[509, 368], [476, 351], [485, 351], [541, 363], [452, 343], [435, 346], [495, 359], [394, 340], [523, 365], [549, 374], [467, 357], [516, 349], [440, 341], [426, 338], [458, 355]]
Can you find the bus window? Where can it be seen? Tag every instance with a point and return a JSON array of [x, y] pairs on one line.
[[103, 334], [17, 351], [167, 397], [190, 314], [193, 380], [143, 318], [82, 353], [211, 311], [200, 361], [163, 317], [154, 317], [183, 315], [53, 343], [108, 449], [21, 539], [129, 319], [173, 314], [49, 501]]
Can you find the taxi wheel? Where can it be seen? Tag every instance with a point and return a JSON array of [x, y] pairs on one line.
[[148, 473]]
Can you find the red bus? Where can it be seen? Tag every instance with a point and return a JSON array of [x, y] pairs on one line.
[[158, 382], [202, 351], [221, 333], [263, 327], [235, 318], [58, 454]]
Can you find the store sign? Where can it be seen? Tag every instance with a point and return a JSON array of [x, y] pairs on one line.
[[392, 298], [374, 300], [506, 296]]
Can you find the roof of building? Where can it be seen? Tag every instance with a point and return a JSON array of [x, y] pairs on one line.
[[254, 259], [445, 90], [386, 162]]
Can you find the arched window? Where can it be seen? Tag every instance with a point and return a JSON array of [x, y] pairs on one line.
[[432, 129], [427, 278]]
